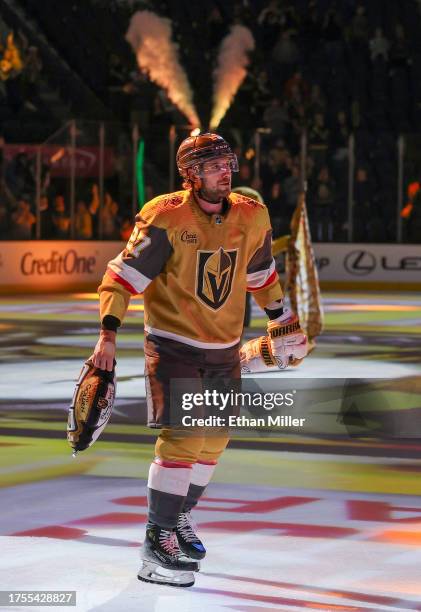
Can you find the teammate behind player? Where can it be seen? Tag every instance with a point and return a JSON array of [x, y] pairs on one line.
[[193, 254]]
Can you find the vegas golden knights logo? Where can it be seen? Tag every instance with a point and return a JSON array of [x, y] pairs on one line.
[[215, 272]]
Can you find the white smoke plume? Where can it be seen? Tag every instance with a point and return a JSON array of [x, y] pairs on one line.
[[230, 71], [157, 55]]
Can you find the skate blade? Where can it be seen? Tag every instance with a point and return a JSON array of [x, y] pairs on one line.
[[154, 573]]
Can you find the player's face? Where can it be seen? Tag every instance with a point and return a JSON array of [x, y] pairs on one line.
[[216, 178]]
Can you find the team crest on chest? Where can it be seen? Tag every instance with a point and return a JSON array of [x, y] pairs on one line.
[[214, 273]]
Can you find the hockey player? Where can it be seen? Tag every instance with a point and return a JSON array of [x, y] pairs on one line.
[[193, 254]]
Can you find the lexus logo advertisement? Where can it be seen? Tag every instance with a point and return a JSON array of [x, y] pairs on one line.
[[360, 263], [367, 263]]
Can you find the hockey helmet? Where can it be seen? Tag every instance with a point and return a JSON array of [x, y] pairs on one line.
[[195, 150]]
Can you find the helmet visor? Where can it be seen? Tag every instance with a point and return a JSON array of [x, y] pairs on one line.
[[220, 164]]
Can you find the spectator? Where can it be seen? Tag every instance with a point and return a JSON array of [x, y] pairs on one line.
[[277, 210], [298, 119], [316, 102], [83, 222], [271, 14], [310, 30], [108, 218], [323, 200], [399, 52], [19, 175], [340, 137], [296, 87], [46, 218], [379, 46], [269, 20], [363, 204], [260, 91], [292, 189], [93, 208], [290, 21], [411, 214], [60, 219], [319, 133], [275, 117], [94, 203], [272, 169], [22, 221], [318, 138], [332, 34], [286, 55], [295, 96], [359, 27]]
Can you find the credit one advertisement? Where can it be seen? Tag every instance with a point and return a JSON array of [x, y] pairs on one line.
[[49, 266]]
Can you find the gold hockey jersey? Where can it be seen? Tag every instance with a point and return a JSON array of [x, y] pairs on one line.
[[194, 269]]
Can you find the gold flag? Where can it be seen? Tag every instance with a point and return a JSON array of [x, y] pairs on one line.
[[302, 281]]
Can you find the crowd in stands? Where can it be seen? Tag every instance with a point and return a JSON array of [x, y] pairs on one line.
[[336, 69], [18, 206], [55, 221], [331, 68], [328, 68]]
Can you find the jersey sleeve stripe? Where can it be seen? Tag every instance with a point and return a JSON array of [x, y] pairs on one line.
[[257, 280], [136, 281], [121, 281], [269, 281]]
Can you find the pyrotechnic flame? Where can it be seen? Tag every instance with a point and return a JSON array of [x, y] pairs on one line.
[[150, 37], [230, 71]]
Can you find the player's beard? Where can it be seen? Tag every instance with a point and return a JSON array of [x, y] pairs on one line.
[[216, 194]]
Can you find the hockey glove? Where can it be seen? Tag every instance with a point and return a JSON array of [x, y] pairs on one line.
[[91, 406], [256, 355], [288, 343]]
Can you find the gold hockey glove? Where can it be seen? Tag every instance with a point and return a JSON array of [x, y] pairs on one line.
[[91, 406]]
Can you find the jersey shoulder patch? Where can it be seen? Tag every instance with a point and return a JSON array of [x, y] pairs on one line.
[[155, 210], [250, 211], [238, 199]]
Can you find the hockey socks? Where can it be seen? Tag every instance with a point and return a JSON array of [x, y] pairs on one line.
[[168, 484], [201, 475], [188, 540]]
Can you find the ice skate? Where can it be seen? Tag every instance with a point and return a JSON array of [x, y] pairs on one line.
[[162, 560], [187, 538]]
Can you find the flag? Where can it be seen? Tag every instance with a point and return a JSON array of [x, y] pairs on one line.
[[302, 282]]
